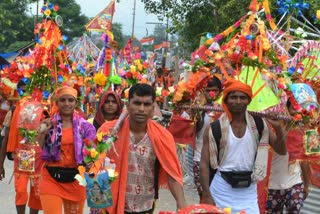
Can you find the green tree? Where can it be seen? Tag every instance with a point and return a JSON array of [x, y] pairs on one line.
[[73, 21], [192, 18], [15, 24], [118, 36]]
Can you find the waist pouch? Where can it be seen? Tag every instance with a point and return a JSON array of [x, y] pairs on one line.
[[62, 174], [240, 179]]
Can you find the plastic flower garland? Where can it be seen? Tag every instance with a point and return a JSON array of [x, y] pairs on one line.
[[49, 10], [105, 141], [292, 6], [317, 17], [136, 72], [188, 88], [100, 79], [89, 151]]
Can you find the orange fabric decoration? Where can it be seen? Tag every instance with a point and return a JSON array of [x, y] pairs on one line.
[[162, 142], [14, 135], [66, 90], [234, 85]]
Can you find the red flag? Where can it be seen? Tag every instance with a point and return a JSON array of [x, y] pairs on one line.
[[102, 21]]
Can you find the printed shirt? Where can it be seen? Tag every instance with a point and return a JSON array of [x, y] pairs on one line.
[[140, 182]]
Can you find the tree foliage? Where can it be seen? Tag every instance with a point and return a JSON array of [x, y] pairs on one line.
[[192, 18], [118, 36], [73, 21], [15, 23]]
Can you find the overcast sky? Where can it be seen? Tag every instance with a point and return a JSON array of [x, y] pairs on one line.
[[123, 14]]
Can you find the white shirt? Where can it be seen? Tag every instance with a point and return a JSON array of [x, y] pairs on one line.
[[240, 154], [284, 175]]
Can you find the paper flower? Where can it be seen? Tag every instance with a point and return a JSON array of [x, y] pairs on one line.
[[47, 12], [292, 6], [89, 151], [100, 79], [105, 141]]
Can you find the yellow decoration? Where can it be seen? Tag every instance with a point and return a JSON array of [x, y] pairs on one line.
[[318, 14], [227, 210], [99, 136], [132, 68], [93, 153], [100, 79], [47, 12]]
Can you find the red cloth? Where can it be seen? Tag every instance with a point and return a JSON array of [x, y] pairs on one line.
[[164, 147], [262, 186], [3, 114], [315, 174], [296, 147], [234, 85], [182, 130]]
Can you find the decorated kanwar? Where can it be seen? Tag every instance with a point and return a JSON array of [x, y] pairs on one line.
[[215, 111]]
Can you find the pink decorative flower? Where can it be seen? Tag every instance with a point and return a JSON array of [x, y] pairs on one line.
[[212, 94]]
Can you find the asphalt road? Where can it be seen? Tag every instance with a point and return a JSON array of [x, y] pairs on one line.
[[7, 195]]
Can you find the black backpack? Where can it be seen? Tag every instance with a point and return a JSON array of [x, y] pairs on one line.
[[216, 132]]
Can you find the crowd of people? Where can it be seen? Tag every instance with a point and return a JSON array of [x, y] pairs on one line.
[[230, 154], [119, 147]]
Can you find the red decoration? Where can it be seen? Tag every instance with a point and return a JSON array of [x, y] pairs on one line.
[[182, 130]]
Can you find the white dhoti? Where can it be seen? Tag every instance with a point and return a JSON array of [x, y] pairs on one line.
[[237, 199]]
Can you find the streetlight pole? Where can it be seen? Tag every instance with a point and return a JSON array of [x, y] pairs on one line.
[[133, 18], [165, 47]]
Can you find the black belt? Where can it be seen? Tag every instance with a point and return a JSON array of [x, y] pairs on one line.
[[237, 179], [62, 174]]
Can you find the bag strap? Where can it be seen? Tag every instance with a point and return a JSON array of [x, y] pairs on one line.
[[259, 124], [216, 132], [156, 179]]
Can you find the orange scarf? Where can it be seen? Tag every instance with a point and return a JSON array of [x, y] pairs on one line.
[[230, 86], [14, 135], [164, 147]]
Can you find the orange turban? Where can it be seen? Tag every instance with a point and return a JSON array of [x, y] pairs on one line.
[[234, 85], [66, 90]]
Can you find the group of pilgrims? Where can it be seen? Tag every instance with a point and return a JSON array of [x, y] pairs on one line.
[[107, 135]]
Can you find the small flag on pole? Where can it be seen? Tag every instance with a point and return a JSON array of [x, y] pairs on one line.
[[147, 42], [157, 47]]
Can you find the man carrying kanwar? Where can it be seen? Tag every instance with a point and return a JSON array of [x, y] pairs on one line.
[[145, 157], [236, 147]]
